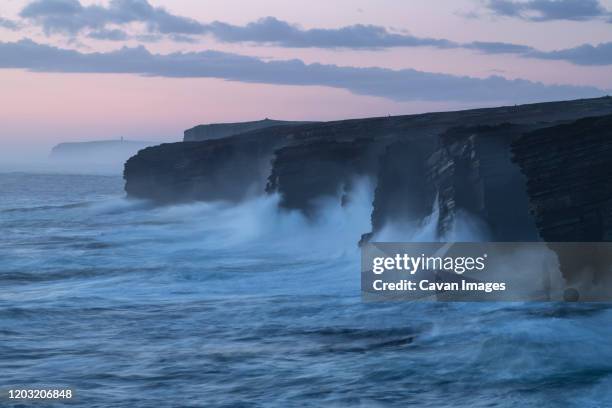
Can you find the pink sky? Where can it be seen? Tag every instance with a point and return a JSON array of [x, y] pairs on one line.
[[41, 109]]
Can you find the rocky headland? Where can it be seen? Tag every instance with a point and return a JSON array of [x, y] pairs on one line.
[[524, 173], [499, 165], [98, 151], [490, 163]]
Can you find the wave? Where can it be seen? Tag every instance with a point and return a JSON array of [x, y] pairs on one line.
[[464, 228], [47, 207]]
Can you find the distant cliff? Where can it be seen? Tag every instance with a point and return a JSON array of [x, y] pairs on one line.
[[106, 150], [221, 130], [450, 163]]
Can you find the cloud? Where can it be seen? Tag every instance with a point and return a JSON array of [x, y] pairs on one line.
[[183, 38], [587, 54], [9, 24], [582, 55], [102, 22], [400, 85], [273, 31], [549, 10], [498, 47], [109, 35], [71, 17]]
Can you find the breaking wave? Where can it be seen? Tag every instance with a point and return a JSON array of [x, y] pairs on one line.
[[219, 304]]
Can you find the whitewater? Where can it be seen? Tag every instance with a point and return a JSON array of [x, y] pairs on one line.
[[243, 305]]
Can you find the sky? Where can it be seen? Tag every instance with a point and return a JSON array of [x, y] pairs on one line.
[[74, 70]]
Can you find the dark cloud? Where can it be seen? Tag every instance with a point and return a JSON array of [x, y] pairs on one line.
[[583, 55], [505, 8], [70, 17], [109, 35], [273, 31], [548, 10], [9, 24], [498, 47], [50, 8], [100, 22], [66, 16], [401, 85], [183, 38]]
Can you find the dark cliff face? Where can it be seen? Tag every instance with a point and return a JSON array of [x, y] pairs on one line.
[[473, 174], [200, 171], [462, 158], [303, 173], [569, 183], [569, 173], [227, 169], [403, 193]]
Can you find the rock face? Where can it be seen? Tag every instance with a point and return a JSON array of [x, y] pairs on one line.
[[221, 130], [331, 169], [223, 169], [462, 158], [569, 183], [569, 173], [403, 194], [474, 175]]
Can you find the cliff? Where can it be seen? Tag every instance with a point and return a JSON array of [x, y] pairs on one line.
[[473, 174], [221, 130], [464, 159], [332, 168], [569, 182], [569, 179], [104, 150]]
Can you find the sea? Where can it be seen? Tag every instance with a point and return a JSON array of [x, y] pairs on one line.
[[129, 304]]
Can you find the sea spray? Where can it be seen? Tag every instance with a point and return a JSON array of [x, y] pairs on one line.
[[94, 293], [464, 228]]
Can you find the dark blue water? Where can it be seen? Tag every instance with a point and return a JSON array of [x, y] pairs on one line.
[[214, 305]]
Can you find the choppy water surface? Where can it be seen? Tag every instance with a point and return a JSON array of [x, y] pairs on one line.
[[216, 305]]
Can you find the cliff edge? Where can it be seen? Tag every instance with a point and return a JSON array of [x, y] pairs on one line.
[[480, 164], [220, 130]]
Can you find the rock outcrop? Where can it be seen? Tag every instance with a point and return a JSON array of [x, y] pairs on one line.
[[569, 183], [569, 179], [324, 168], [462, 158], [223, 169], [474, 175], [403, 194]]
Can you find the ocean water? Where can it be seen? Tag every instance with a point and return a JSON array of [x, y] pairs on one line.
[[219, 305]]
